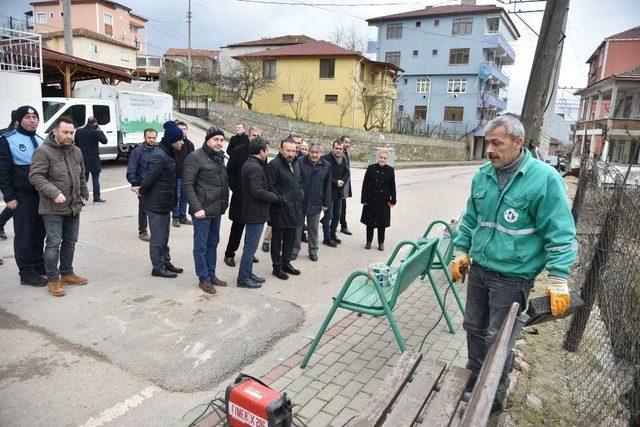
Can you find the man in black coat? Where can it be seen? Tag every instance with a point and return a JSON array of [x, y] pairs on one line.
[[158, 191], [340, 176], [346, 141], [256, 199], [238, 139], [87, 139], [234, 169], [179, 212], [283, 176]]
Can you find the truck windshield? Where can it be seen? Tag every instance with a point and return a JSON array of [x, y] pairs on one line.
[[50, 108]]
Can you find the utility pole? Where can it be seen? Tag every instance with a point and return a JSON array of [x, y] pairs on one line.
[[546, 60], [189, 39], [68, 30]]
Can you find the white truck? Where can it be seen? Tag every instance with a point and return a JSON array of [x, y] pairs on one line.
[[123, 114]]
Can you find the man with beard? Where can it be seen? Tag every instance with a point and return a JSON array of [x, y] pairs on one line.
[[234, 169], [138, 161], [517, 223], [238, 139], [340, 176], [16, 151], [158, 191], [283, 176], [57, 172]]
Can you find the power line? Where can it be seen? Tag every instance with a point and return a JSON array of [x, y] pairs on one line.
[[280, 2]]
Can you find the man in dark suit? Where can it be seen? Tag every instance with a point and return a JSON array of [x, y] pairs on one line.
[[238, 139], [346, 141], [340, 176], [87, 139]]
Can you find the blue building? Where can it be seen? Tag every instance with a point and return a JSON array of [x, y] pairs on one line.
[[453, 57]]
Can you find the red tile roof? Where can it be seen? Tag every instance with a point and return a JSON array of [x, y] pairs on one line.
[[430, 11], [52, 55], [213, 54], [83, 32], [275, 41], [314, 48], [631, 33]]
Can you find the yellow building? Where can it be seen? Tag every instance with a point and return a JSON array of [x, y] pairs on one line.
[[320, 82]]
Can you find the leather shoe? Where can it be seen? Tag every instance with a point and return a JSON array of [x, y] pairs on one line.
[[230, 262], [172, 268], [248, 284], [3, 235], [99, 201], [185, 221], [143, 236], [346, 231], [175, 223], [381, 247], [207, 286], [265, 247], [367, 245], [164, 273], [330, 243], [280, 274], [313, 257], [257, 279], [215, 281], [335, 239], [288, 268], [33, 279], [255, 260]]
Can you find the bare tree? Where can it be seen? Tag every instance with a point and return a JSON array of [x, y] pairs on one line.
[[376, 100], [345, 103], [351, 38], [298, 98], [246, 79]]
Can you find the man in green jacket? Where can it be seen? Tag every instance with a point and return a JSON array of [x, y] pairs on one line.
[[516, 224]]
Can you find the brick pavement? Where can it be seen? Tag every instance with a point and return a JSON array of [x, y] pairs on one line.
[[357, 353]]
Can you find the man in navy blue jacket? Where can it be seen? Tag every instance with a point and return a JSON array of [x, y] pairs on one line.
[[136, 169]]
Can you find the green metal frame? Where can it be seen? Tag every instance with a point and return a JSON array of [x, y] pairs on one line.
[[412, 260]]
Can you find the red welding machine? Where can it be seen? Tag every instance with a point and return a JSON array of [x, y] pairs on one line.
[[250, 402]]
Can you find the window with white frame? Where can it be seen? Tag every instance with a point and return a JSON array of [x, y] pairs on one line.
[[493, 24], [93, 48], [423, 86], [124, 55], [41, 18], [108, 25], [457, 86]]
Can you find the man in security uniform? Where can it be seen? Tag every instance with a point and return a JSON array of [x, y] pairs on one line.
[[516, 224], [16, 150]]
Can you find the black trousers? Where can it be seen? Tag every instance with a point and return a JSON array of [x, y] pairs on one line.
[[142, 217], [235, 235], [343, 214], [28, 243], [159, 225], [380, 234], [5, 216], [282, 241], [95, 177]]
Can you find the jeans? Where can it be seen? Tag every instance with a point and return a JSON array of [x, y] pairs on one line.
[[159, 226], [235, 235], [62, 235], [312, 235], [5, 216], [180, 210], [28, 228], [331, 218], [206, 236], [282, 240], [252, 235], [142, 217], [380, 234], [489, 297], [95, 179]]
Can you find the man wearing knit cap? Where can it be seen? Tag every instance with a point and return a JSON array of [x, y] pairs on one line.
[[158, 191], [16, 150], [517, 223]]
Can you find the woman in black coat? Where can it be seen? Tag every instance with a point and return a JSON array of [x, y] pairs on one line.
[[378, 196]]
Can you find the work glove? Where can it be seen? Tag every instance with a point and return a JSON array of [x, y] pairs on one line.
[[558, 292], [460, 267]]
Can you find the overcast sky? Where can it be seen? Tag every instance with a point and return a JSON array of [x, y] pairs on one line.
[[219, 22]]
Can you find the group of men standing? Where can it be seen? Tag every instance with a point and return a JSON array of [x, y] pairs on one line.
[[44, 183]]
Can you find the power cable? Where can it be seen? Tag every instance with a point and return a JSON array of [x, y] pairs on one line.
[[282, 2]]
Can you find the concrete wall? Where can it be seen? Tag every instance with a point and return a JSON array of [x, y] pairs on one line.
[[407, 147], [108, 53]]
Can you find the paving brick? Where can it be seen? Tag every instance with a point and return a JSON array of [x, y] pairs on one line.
[[321, 419], [369, 354], [343, 378], [331, 358], [343, 417], [359, 402], [326, 378], [281, 383], [303, 396], [329, 392], [364, 375], [351, 389], [316, 370], [349, 357], [356, 365], [337, 404], [317, 385], [312, 407], [299, 383], [383, 372], [372, 386], [336, 368], [376, 363]]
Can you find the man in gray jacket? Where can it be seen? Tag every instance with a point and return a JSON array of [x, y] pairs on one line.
[[57, 172]]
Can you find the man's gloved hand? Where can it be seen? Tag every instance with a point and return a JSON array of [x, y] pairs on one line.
[[460, 267], [558, 292]]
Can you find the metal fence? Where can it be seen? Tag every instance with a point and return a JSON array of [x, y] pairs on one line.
[[20, 51], [603, 339]]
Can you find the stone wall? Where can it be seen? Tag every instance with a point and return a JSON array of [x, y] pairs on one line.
[[407, 147]]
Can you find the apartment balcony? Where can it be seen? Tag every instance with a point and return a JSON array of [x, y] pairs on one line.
[[20, 51], [498, 42], [492, 100], [496, 74]]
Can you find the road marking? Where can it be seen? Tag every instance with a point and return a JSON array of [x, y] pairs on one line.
[[121, 408]]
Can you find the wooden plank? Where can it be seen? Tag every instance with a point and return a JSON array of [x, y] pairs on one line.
[[377, 408], [442, 407], [479, 409], [410, 403]]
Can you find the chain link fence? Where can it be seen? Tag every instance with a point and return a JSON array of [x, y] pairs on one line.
[[603, 338]]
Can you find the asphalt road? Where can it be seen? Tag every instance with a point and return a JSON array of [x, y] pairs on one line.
[[128, 349]]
